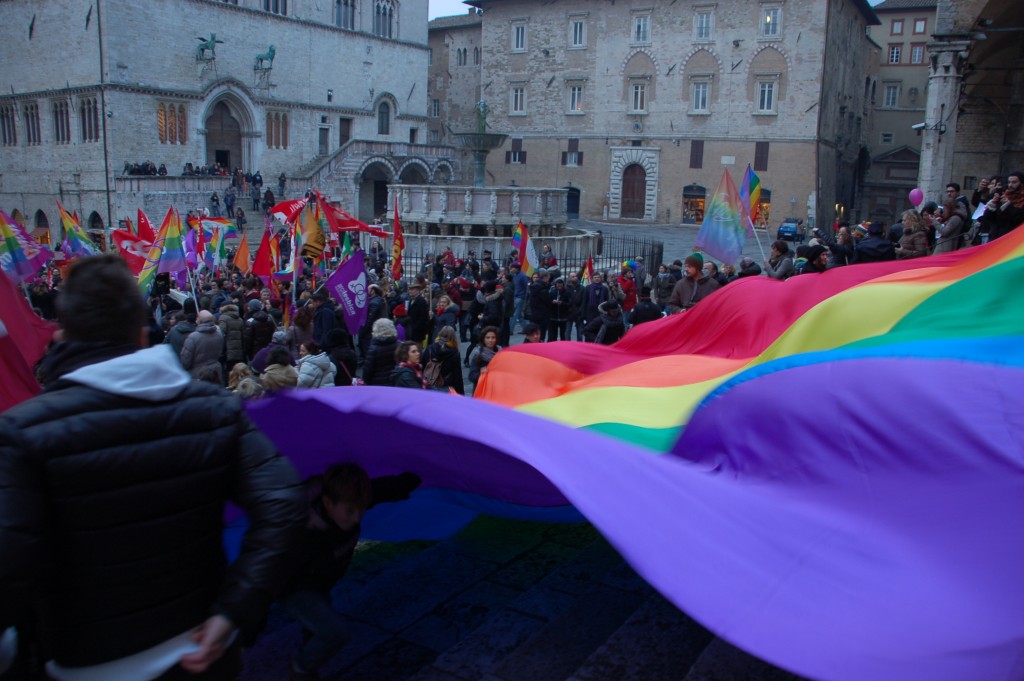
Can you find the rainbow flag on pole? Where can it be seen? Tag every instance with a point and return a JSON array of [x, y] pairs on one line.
[[527, 256], [77, 243], [173, 257], [750, 198], [722, 234], [167, 254]]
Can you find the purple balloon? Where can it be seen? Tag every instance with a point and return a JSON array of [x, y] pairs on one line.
[[916, 196]]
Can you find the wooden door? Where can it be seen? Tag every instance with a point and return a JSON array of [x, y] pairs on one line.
[[634, 191]]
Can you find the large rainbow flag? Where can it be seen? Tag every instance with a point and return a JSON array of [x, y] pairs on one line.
[[827, 471]]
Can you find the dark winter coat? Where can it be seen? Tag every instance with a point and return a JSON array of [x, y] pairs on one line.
[[123, 464], [259, 331], [538, 301], [380, 361], [233, 328], [451, 365], [417, 324], [203, 346], [324, 551], [645, 311], [605, 328], [177, 335]]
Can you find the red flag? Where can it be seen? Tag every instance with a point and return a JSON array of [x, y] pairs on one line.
[[397, 247], [263, 265], [286, 211], [23, 340], [134, 250], [146, 231]]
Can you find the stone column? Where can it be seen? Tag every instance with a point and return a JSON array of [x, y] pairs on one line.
[[946, 59]]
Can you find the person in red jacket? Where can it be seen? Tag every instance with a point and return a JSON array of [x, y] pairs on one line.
[[627, 283]]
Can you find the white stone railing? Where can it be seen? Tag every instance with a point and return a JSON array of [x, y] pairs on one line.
[[496, 207]]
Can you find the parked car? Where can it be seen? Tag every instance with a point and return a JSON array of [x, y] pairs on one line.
[[792, 229]]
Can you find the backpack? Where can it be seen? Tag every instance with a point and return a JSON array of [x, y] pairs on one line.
[[433, 375]]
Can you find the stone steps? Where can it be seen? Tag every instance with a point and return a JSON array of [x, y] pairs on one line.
[[507, 600]]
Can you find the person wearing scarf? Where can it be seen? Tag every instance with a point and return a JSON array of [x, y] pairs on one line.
[[609, 325], [1005, 211], [408, 372]]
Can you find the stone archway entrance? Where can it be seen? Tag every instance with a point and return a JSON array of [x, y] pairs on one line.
[[634, 183], [224, 138], [634, 191], [373, 191]]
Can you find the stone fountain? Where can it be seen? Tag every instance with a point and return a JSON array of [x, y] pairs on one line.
[[479, 217], [480, 143]]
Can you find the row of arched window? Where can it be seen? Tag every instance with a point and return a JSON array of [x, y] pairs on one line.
[[462, 56], [171, 123], [277, 130]]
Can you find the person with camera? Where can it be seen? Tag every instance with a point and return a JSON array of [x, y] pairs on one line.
[[1005, 210]]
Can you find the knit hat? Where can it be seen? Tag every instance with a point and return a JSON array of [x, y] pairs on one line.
[[255, 305], [814, 252], [610, 306], [876, 227], [860, 230], [280, 337], [696, 260], [645, 292]]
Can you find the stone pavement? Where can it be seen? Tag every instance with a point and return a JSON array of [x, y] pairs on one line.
[[507, 600]]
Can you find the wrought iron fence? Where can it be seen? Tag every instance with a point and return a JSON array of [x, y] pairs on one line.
[[611, 251]]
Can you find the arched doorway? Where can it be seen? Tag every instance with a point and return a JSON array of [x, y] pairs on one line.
[[572, 203], [634, 191], [223, 138], [96, 230], [43, 222], [18, 217], [373, 191], [693, 204]]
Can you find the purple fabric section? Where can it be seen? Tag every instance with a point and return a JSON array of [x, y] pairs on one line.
[[879, 542]]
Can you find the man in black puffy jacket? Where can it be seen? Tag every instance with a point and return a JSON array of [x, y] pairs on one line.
[[113, 485]]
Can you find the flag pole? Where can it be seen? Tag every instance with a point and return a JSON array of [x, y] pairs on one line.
[[757, 238]]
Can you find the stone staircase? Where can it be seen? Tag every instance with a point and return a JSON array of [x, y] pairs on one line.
[[508, 601]]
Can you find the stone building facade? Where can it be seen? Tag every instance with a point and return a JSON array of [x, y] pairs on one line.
[[974, 114], [899, 92], [331, 93], [637, 107], [453, 82]]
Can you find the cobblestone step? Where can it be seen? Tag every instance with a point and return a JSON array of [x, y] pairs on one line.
[[657, 643], [507, 600], [722, 661]]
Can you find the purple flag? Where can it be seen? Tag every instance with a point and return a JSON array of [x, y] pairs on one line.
[[348, 286]]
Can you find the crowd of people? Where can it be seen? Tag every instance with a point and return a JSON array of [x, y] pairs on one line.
[[114, 566]]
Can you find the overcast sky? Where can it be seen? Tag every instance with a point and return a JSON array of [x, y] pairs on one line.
[[447, 8]]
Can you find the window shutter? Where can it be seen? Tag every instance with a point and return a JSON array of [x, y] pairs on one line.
[[697, 154], [565, 157], [579, 158], [761, 156], [508, 157], [522, 157]]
